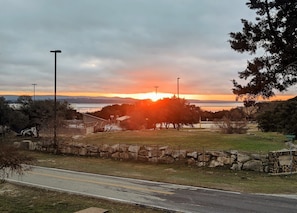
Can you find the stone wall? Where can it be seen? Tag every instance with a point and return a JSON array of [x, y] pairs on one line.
[[274, 162], [284, 161]]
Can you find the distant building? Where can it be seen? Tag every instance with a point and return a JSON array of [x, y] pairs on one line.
[[91, 124], [94, 124]]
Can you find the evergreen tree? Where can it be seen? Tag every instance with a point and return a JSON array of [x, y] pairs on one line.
[[274, 34]]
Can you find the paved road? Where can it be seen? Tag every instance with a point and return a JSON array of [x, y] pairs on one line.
[[172, 197]]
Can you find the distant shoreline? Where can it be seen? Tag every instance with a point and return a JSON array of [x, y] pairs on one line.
[[205, 106], [104, 100], [92, 104]]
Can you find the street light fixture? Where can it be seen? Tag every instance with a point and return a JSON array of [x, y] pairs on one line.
[[178, 87], [55, 100]]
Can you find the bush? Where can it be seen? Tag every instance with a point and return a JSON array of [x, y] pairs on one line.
[[12, 161], [282, 117], [227, 126]]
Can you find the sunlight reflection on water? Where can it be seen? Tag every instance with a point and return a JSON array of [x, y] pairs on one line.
[[206, 106]]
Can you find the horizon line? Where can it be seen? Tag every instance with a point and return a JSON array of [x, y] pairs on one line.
[[132, 98]]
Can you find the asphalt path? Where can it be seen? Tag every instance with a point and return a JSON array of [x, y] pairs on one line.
[[171, 197]]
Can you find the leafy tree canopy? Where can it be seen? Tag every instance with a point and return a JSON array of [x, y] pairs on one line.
[[4, 112], [174, 111], [279, 117], [33, 113], [274, 34]]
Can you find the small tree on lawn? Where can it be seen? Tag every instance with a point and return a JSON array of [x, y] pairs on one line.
[[233, 122], [12, 161]]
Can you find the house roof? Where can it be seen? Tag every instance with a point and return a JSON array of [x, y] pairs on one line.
[[122, 118], [93, 117]]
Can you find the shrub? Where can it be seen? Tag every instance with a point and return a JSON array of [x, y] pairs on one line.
[[12, 161], [227, 126]]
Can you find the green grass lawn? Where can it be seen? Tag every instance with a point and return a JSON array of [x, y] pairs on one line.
[[192, 139]]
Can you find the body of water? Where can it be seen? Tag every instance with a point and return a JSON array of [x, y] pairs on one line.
[[206, 106]]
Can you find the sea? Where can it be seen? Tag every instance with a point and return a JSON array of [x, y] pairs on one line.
[[212, 106]]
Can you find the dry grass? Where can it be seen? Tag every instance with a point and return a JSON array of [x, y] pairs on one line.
[[21, 199]]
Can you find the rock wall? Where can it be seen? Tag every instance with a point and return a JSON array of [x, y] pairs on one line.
[[274, 162], [284, 161]]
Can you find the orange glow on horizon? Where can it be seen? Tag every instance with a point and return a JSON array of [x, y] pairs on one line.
[[149, 95], [143, 96]]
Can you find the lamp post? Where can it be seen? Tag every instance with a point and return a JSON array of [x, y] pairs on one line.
[[55, 100], [156, 89], [34, 91], [178, 87]]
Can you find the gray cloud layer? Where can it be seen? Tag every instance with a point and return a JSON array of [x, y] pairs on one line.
[[120, 46]]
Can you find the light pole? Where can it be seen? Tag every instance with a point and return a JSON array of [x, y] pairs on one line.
[[178, 87], [55, 100], [34, 91]]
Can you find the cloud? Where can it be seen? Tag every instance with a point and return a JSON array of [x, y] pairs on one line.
[[120, 46]]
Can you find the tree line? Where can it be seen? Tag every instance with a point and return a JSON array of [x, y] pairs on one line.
[[143, 114], [39, 114], [274, 116], [175, 112]]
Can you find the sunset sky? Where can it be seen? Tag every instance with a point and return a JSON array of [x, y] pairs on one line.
[[126, 48]]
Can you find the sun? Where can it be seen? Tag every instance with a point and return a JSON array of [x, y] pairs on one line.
[[151, 95]]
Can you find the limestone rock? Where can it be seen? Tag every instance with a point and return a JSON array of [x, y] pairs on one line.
[[143, 152], [134, 148], [104, 148], [114, 148], [225, 160], [204, 158], [243, 157], [123, 148], [215, 163], [166, 159], [124, 155], [192, 154], [284, 160], [154, 153], [133, 155], [253, 165], [236, 167], [116, 155], [82, 151], [191, 161], [153, 160]]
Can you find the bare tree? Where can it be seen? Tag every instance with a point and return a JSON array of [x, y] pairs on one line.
[[12, 161]]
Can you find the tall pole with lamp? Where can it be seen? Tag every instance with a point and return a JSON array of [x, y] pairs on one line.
[[178, 87], [55, 101]]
